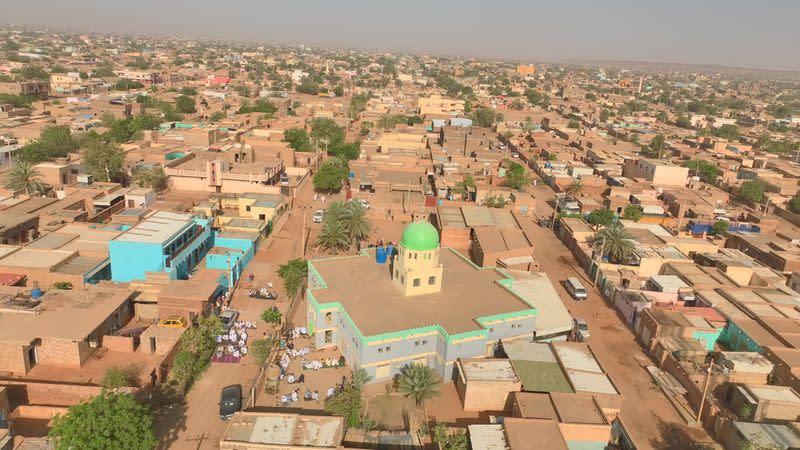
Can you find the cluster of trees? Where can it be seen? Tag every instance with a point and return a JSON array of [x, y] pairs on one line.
[[168, 111], [485, 117], [125, 84], [494, 201], [344, 224], [185, 104], [601, 217], [707, 171], [31, 72], [110, 420], [308, 86], [537, 98], [358, 104], [347, 402], [293, 274], [151, 177], [298, 139], [261, 105], [656, 147], [196, 348], [127, 129], [516, 175], [388, 122], [17, 101], [752, 191], [54, 142], [632, 212], [767, 144], [330, 175]]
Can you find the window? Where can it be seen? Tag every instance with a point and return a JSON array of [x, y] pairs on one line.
[[491, 330], [380, 349], [388, 348], [431, 280], [402, 279], [424, 342], [416, 343], [247, 208], [416, 282]]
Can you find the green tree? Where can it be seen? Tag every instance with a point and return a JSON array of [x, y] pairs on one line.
[[632, 212], [200, 338], [537, 98], [125, 84], [601, 217], [271, 316], [110, 420], [707, 171], [151, 177], [103, 160], [727, 131], [360, 378], [54, 142], [485, 117], [330, 175], [590, 96], [185, 104], [346, 151], [516, 176], [657, 147], [24, 177], [117, 377], [32, 72], [616, 242], [216, 116], [308, 86], [720, 227], [465, 186], [683, 122], [294, 275], [794, 204], [419, 382], [355, 222], [324, 128], [634, 138], [751, 191], [260, 349], [17, 101], [574, 124], [457, 440], [346, 403], [190, 91], [334, 236], [605, 115], [298, 139], [358, 104], [574, 189]]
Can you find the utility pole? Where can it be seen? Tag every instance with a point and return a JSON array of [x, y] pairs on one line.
[[597, 273], [303, 239], [705, 390]]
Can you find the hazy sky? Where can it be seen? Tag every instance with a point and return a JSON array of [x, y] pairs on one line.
[[754, 33]]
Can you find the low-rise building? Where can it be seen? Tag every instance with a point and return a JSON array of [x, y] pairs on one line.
[[277, 431]]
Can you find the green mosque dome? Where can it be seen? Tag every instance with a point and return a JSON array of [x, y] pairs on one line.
[[420, 236]]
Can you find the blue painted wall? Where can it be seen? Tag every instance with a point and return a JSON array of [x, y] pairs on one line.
[[241, 255], [737, 340]]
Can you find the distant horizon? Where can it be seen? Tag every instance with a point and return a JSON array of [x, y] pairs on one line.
[[734, 34]]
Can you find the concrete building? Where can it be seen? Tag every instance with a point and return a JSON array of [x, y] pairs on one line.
[[164, 242], [658, 172], [438, 105], [765, 403], [484, 384], [276, 431], [426, 305]]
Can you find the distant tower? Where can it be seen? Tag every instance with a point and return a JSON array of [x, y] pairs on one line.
[[640, 84], [328, 67], [416, 268]]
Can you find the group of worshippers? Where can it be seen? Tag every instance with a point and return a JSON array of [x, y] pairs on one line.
[[232, 345], [309, 395]]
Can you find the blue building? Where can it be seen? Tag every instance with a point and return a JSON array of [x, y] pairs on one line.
[[232, 251], [164, 242]]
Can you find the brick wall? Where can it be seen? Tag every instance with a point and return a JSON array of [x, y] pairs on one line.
[[59, 352], [122, 344], [42, 393], [12, 359]]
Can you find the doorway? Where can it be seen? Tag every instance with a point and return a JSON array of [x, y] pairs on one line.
[[33, 357]]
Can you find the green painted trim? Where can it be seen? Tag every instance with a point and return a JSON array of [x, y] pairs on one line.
[[506, 282]]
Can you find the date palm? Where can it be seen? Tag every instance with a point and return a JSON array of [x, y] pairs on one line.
[[24, 177], [355, 222], [334, 237], [617, 242], [419, 382], [574, 189]]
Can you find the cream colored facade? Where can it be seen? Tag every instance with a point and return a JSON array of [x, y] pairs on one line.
[[418, 272], [660, 173], [436, 104]]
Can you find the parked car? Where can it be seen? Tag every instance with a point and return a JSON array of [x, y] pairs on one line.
[[576, 289], [364, 203], [228, 318], [318, 215], [580, 330], [230, 401], [174, 322]]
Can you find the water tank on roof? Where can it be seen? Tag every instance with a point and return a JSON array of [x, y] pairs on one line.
[[36, 293]]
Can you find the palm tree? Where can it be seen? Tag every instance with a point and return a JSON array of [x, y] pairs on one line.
[[334, 237], [574, 189], [355, 221], [23, 176], [419, 382], [335, 211], [360, 378], [617, 242]]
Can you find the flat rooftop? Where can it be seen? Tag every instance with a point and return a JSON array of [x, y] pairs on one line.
[[36, 258], [287, 430], [488, 370], [156, 229], [376, 305], [68, 315], [536, 288]]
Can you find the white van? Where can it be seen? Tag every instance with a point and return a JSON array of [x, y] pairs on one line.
[[576, 289]]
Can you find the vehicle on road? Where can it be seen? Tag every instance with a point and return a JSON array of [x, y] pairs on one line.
[[576, 289], [318, 214], [228, 318], [230, 401], [580, 330], [364, 203], [174, 322]]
